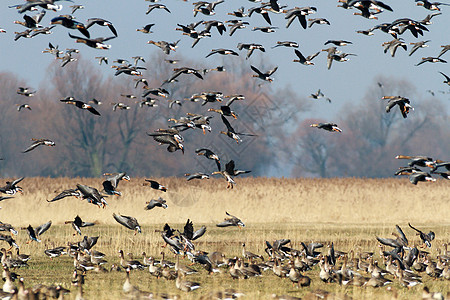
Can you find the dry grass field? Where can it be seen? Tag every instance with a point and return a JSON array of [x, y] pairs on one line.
[[348, 212]]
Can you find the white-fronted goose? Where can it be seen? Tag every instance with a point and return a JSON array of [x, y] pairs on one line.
[[92, 195], [304, 61], [402, 102], [155, 185], [128, 222], [101, 22], [431, 60], [160, 202], [146, 28], [425, 237], [151, 7], [327, 126], [421, 44], [198, 175], [33, 233], [38, 142], [77, 224], [231, 221], [11, 188], [80, 104]]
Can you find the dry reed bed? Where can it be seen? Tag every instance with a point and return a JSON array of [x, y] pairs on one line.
[[254, 200]]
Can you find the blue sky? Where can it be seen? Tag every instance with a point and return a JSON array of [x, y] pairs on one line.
[[344, 83]]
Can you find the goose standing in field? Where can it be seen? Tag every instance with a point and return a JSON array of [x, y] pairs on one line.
[[128, 222], [327, 126], [231, 221], [184, 285], [160, 202], [11, 188], [402, 102], [33, 233], [77, 224], [39, 142]]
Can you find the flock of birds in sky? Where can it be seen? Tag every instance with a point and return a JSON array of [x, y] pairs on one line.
[[400, 261]]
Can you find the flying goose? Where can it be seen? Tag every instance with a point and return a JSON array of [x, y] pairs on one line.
[[66, 193], [304, 61], [70, 23], [264, 76], [33, 233], [198, 175], [327, 126], [155, 185], [92, 195], [231, 133], [77, 224], [128, 222], [101, 22], [39, 142], [402, 102], [11, 188], [80, 104], [231, 221], [160, 202], [425, 237]]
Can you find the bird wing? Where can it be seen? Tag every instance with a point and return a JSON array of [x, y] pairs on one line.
[[43, 228], [225, 223], [227, 124], [229, 167], [34, 145], [300, 56], [198, 233], [188, 231], [63, 194], [17, 181], [272, 71], [402, 235], [256, 70], [388, 242], [92, 110]]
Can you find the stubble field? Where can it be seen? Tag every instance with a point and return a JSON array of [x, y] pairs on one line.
[[348, 212]]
